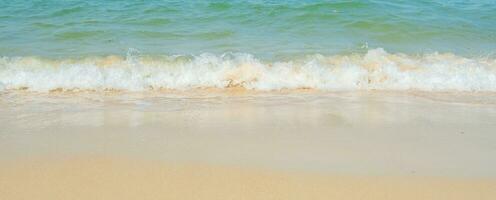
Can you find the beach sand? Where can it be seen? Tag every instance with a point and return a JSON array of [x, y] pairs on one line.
[[132, 179], [247, 145]]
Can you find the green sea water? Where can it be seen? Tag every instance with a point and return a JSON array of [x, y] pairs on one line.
[[438, 45], [268, 29]]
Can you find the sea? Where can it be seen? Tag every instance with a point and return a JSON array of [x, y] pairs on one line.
[[341, 45]]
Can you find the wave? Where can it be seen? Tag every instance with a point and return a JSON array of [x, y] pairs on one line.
[[374, 70]]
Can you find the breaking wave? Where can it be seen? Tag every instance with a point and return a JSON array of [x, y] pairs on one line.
[[375, 70]]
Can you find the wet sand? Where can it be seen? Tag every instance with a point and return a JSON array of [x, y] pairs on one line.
[[245, 145]]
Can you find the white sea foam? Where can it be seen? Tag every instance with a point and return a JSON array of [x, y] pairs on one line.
[[376, 69]]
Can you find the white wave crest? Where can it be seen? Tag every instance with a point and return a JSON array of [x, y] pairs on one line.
[[376, 69]]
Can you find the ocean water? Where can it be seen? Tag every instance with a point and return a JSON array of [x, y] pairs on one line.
[[140, 45]]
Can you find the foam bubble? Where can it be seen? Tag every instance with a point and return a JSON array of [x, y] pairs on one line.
[[377, 69]]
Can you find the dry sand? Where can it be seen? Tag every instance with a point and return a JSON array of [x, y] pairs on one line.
[[127, 179]]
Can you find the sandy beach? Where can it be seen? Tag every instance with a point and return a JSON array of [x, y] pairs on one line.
[[255, 100], [236, 144], [98, 178]]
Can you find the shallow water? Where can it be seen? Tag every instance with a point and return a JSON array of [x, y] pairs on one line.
[[376, 133]]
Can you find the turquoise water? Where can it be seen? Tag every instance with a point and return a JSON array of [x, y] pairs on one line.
[[58, 28], [443, 45]]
